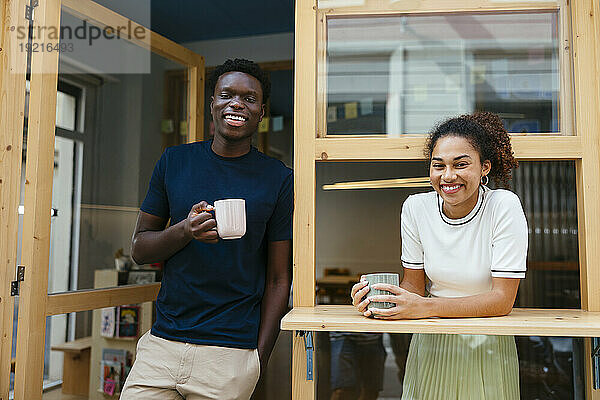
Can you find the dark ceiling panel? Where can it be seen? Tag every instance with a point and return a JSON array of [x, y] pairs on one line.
[[192, 20]]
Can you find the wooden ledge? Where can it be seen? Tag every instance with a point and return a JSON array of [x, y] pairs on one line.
[[521, 322], [91, 299], [74, 346]]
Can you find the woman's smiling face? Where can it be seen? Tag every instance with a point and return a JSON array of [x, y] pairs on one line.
[[455, 173]]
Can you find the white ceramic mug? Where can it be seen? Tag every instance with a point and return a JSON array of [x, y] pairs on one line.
[[231, 218]]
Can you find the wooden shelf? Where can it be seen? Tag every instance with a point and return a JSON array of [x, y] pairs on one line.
[[74, 346], [118, 338], [521, 321]]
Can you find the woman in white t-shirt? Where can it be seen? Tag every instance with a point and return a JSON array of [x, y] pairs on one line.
[[470, 242]]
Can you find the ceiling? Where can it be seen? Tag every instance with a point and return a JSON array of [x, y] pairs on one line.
[[192, 20]]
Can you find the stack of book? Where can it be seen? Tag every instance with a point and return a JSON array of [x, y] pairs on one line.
[[115, 366]]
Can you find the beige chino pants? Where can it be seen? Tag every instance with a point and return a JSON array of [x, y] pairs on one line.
[[166, 369]]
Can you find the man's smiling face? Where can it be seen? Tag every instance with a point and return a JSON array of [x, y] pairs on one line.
[[237, 106]]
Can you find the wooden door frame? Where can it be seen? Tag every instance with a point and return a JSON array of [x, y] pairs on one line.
[[34, 302], [13, 64], [311, 144]]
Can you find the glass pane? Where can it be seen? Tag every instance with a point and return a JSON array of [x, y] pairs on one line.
[[133, 106], [399, 74], [549, 198], [65, 111], [358, 231], [437, 366]]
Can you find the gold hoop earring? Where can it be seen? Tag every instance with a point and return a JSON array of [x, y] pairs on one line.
[[486, 179]]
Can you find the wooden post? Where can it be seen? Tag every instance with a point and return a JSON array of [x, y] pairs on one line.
[[195, 101], [13, 64], [586, 23], [38, 200], [305, 81]]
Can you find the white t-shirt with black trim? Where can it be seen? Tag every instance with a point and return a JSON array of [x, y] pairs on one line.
[[461, 256]]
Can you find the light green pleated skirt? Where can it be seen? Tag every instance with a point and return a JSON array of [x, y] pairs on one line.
[[461, 367]]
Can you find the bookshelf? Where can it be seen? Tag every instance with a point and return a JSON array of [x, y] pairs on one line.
[[107, 278]]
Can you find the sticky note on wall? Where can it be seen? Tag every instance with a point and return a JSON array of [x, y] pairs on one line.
[[366, 106], [351, 110], [278, 123], [331, 114], [263, 126], [166, 126], [478, 72]]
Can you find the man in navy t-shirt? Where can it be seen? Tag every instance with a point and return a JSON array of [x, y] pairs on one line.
[[221, 301]]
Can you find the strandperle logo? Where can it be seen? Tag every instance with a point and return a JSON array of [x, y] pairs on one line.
[[82, 32]]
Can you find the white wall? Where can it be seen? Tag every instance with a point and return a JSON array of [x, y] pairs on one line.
[[260, 48], [360, 229]]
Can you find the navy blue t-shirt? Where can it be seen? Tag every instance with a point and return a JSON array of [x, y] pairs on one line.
[[211, 293]]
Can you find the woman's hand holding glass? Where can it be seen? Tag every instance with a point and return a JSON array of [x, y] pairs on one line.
[[408, 305], [358, 292]]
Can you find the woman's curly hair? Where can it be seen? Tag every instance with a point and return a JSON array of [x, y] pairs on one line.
[[486, 133]]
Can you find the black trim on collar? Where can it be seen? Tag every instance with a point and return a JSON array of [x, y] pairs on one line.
[[481, 204]]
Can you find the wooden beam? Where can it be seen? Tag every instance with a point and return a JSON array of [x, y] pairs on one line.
[[195, 93], [521, 321], [410, 147], [374, 7], [83, 300], [35, 248], [587, 103], [104, 17], [284, 65], [565, 51], [13, 64], [322, 68], [305, 81], [304, 161], [586, 62]]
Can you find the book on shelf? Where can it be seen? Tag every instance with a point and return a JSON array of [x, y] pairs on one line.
[[116, 364], [110, 376], [128, 321], [140, 277], [108, 320]]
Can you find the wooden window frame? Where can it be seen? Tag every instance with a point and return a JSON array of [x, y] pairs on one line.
[[580, 34], [34, 301]]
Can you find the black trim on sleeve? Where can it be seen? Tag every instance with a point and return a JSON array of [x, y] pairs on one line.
[[509, 272], [411, 263]]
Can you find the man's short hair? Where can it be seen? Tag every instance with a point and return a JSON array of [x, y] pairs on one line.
[[245, 66]]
